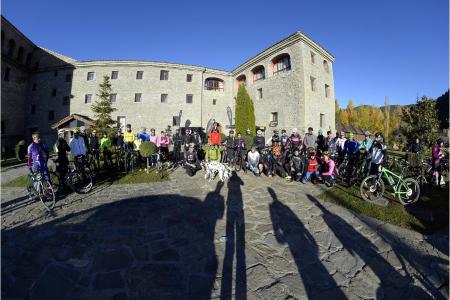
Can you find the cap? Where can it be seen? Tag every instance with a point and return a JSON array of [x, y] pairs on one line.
[[61, 131], [350, 134]]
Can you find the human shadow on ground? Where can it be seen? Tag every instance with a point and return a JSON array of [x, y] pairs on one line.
[[235, 243], [150, 247], [393, 284], [288, 229]]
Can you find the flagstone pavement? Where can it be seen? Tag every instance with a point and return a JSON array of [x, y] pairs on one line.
[[186, 238]]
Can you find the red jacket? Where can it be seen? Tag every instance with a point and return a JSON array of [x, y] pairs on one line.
[[215, 138]]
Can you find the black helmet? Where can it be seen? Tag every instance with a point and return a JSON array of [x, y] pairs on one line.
[[231, 131], [439, 141], [378, 135]]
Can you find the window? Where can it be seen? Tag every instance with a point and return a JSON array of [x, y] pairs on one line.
[[259, 73], [214, 84], [313, 57], [241, 79], [139, 74], [53, 92], [7, 74], [90, 76], [189, 98], [325, 66], [88, 98], [66, 100], [11, 47], [121, 121], [164, 75], [327, 91], [28, 59], [189, 78], [51, 115], [20, 54], [163, 98], [33, 109], [260, 94], [113, 98], [68, 77], [55, 74], [274, 117], [322, 120], [313, 84], [114, 75], [137, 97], [176, 121], [281, 63], [34, 87], [214, 101]]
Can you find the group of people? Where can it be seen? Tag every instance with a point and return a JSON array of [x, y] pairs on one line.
[[291, 156]]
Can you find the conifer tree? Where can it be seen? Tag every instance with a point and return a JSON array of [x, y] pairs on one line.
[[102, 108], [245, 112]]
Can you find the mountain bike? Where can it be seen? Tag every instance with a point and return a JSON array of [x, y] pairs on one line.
[[162, 166], [407, 190], [130, 160], [78, 177], [38, 187]]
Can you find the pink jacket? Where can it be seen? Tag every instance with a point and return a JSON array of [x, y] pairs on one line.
[[330, 164], [162, 141]]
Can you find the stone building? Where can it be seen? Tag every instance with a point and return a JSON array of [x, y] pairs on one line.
[[291, 84]]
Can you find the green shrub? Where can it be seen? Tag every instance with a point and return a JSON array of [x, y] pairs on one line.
[[20, 150], [147, 149], [248, 141]]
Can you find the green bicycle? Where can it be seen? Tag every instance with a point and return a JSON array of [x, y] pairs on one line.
[[407, 190]]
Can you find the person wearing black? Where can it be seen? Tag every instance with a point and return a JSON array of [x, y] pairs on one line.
[[240, 149], [62, 148], [415, 147], [322, 144], [177, 141], [95, 148], [259, 141], [275, 138], [187, 140], [198, 144], [229, 144], [192, 163], [85, 138], [284, 139]]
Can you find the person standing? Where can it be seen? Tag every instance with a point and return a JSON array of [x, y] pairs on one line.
[[95, 148], [309, 141], [436, 156], [105, 146], [259, 141], [163, 142], [63, 162], [38, 155], [177, 142], [415, 147]]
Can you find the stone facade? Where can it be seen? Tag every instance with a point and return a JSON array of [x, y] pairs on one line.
[[57, 86]]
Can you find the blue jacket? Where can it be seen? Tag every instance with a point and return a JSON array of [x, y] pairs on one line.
[[351, 147]]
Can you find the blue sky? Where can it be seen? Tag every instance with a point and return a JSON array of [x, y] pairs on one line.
[[396, 48]]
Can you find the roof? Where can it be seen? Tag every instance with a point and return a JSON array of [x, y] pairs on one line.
[[349, 128], [84, 119]]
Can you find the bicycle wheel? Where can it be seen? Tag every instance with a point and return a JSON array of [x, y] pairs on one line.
[[237, 164], [56, 183], [46, 194], [32, 193], [411, 189], [422, 180], [372, 188], [81, 182]]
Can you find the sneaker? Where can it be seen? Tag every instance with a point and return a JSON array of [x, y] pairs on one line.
[[288, 177]]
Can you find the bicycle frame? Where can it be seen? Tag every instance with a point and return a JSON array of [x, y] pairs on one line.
[[389, 175]]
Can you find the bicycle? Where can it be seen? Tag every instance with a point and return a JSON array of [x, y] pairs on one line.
[[130, 158], [346, 171], [407, 190], [238, 160], [37, 187], [79, 179], [162, 166]]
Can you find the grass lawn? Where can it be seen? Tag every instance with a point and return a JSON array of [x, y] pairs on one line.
[[111, 177], [433, 202]]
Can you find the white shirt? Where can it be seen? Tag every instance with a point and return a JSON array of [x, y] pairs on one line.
[[340, 143], [253, 158], [77, 146]]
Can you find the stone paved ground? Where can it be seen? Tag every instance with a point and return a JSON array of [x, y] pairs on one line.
[[251, 238]]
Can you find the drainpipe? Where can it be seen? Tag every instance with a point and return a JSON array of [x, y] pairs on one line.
[[201, 99]]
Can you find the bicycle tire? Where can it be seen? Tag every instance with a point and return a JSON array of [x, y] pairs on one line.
[[32, 193], [46, 194], [414, 189], [81, 183], [375, 191], [56, 182], [422, 180]]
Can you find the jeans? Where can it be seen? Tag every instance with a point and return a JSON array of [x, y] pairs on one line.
[[308, 176]]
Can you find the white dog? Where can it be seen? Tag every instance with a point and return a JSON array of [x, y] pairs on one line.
[[212, 168]]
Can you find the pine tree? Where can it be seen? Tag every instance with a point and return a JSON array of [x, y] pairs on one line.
[[245, 112], [103, 107]]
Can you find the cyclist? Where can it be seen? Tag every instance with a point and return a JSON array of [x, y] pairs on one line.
[[229, 144], [105, 146], [95, 148], [153, 137], [367, 143], [187, 140], [284, 139], [213, 153], [340, 141], [128, 138], [311, 168], [328, 168], [377, 153], [214, 137], [38, 155], [259, 141], [275, 139], [296, 166], [331, 143], [351, 148], [163, 142], [321, 143], [277, 163], [63, 162], [192, 164], [143, 135], [240, 148], [309, 141], [177, 141], [85, 138], [294, 141], [78, 148], [117, 142], [415, 147], [253, 161], [436, 156]]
